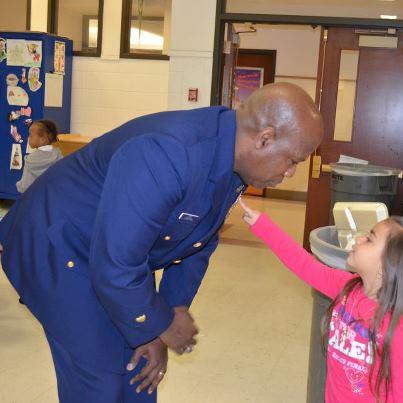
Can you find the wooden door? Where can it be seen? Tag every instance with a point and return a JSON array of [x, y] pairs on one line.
[[378, 116]]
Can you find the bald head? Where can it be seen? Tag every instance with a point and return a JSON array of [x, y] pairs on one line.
[[278, 105], [276, 122]]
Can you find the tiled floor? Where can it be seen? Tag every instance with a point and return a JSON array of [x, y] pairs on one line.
[[254, 319]]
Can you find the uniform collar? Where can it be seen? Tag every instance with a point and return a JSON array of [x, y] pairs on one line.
[[225, 151], [228, 184]]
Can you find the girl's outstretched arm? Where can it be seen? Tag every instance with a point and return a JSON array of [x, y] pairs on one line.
[[325, 279]]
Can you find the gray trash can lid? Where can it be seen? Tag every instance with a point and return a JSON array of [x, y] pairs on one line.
[[363, 170], [325, 246]]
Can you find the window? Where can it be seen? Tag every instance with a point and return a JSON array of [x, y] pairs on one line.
[[15, 16], [145, 28], [80, 21]]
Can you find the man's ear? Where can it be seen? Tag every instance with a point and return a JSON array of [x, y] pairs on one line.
[[265, 137]]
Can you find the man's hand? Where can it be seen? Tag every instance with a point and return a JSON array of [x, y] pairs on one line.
[[156, 354], [180, 335]]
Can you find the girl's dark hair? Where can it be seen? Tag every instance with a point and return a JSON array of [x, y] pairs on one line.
[[390, 300], [48, 129]]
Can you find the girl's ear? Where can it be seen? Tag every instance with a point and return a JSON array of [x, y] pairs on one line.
[[44, 141], [265, 137]]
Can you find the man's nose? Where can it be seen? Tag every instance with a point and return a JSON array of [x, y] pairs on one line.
[[290, 171]]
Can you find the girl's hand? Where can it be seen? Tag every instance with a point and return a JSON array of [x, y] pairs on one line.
[[250, 216]]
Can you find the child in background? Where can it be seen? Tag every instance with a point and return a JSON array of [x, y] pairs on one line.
[[42, 133], [363, 327]]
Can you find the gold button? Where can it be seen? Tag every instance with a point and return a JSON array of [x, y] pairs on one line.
[[197, 245], [167, 237], [177, 261], [70, 264], [141, 318]]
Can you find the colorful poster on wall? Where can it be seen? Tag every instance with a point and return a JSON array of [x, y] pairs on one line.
[[247, 80], [12, 80], [15, 135], [17, 96], [16, 157], [15, 52], [3, 49], [33, 54], [60, 57], [33, 79]]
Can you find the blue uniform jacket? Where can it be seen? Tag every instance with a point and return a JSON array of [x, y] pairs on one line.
[[81, 244]]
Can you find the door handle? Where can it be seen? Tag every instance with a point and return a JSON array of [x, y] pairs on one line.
[[318, 167], [326, 168]]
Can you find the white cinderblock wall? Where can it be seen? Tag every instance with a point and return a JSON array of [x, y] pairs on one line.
[[107, 93], [189, 71], [191, 52]]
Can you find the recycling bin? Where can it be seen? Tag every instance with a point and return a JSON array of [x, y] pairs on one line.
[[325, 246]]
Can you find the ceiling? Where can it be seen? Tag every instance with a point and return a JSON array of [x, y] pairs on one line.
[[328, 8]]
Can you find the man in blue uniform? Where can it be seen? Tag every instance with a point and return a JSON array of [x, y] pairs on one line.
[[81, 245]]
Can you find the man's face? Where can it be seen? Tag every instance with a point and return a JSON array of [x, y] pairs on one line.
[[269, 165]]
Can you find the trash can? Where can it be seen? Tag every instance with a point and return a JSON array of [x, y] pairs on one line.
[[324, 245], [358, 182]]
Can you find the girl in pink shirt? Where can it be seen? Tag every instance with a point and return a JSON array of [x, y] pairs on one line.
[[363, 327]]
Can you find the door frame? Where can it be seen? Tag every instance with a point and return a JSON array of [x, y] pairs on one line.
[[222, 17]]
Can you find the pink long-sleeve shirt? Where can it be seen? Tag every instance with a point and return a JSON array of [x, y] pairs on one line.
[[348, 357]]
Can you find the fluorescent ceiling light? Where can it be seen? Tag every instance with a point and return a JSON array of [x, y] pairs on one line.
[[388, 17]]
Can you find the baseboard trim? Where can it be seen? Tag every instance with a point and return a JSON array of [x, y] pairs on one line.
[[285, 194]]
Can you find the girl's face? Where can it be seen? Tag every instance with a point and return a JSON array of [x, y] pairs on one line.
[[366, 256], [35, 139]]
